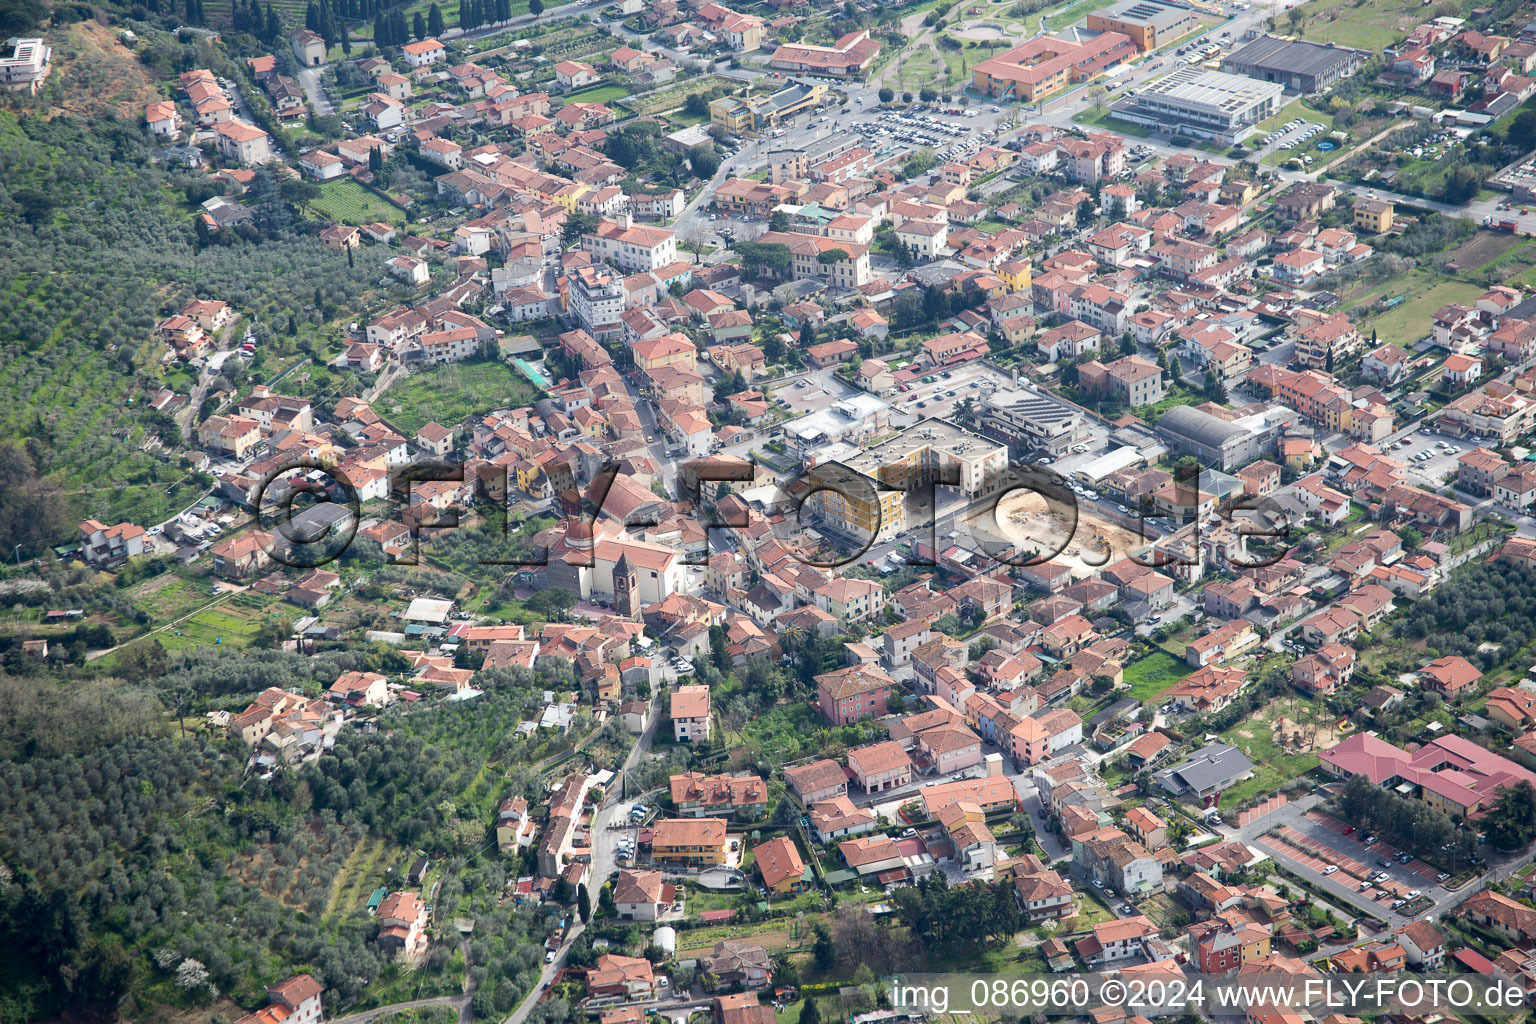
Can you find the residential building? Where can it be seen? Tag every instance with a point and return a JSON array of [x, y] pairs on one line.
[[693, 842], [690, 713]]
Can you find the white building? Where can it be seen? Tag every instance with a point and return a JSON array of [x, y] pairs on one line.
[[243, 143], [424, 53], [28, 65], [631, 246], [1207, 104], [597, 301]]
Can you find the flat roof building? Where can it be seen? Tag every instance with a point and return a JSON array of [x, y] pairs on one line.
[[1298, 66], [1148, 23], [1205, 104]]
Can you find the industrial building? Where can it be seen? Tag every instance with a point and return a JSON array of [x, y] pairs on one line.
[[1031, 419], [1298, 66], [1147, 23], [1204, 104], [1218, 443]]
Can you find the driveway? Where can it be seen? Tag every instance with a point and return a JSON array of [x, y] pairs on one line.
[[314, 89]]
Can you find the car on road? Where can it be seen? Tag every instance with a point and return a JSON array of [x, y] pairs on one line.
[[549, 957]]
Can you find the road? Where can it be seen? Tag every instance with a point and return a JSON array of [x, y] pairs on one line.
[[460, 1003], [604, 863]]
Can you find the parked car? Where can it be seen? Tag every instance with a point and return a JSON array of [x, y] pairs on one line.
[[1330, 869]]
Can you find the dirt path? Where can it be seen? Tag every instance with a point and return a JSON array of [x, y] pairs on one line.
[[93, 655]]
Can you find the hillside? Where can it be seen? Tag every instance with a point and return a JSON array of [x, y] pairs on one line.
[[99, 248]]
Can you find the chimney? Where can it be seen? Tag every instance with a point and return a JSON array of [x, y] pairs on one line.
[[623, 220]]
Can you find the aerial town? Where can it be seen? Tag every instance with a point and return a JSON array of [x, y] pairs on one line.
[[652, 512]]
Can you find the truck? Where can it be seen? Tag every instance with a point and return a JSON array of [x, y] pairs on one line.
[[1506, 225]]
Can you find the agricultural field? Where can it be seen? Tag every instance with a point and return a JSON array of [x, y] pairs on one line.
[[222, 625], [448, 394], [169, 596], [352, 203]]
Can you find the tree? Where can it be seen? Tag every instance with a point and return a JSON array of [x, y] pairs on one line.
[[419, 26], [583, 903], [705, 162], [696, 105], [810, 1013], [886, 94], [434, 21], [1522, 131], [535, 7], [1511, 822], [824, 953]]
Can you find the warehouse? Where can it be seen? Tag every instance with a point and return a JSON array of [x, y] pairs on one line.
[[1215, 442], [1298, 66], [1204, 104], [1148, 23]]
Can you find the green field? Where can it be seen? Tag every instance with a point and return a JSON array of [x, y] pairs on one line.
[[213, 627], [599, 94], [449, 394], [351, 203], [168, 596], [1071, 14], [1273, 766], [1153, 674], [1368, 24], [1426, 293]]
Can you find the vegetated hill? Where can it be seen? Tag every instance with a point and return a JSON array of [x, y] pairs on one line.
[[144, 874], [99, 246], [95, 74]]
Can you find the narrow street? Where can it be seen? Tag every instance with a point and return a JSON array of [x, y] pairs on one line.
[[603, 862]]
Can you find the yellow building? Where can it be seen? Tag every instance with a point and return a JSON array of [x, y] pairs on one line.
[[863, 512], [690, 841], [1018, 275], [1149, 23], [567, 195], [733, 114], [1374, 215], [668, 350]]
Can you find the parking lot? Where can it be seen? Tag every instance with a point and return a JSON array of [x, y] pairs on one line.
[[1293, 135], [1428, 455], [939, 392], [947, 132], [1368, 869]]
